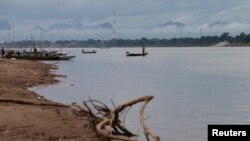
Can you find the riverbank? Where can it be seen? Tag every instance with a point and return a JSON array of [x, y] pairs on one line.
[[25, 115]]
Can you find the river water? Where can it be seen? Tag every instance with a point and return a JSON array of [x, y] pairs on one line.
[[192, 87]]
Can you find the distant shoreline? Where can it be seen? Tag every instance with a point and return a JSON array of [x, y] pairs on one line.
[[242, 39], [57, 48]]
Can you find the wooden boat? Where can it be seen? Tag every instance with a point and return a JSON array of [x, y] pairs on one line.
[[83, 51], [66, 57], [136, 54], [38, 56]]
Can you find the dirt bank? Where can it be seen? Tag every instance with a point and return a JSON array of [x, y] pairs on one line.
[[24, 115]]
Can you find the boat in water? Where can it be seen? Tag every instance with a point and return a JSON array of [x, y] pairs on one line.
[[137, 54], [84, 51]]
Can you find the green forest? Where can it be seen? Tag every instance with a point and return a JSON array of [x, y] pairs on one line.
[[242, 39]]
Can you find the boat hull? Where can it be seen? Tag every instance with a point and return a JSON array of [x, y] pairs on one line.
[[83, 51], [47, 58], [136, 54], [89, 52]]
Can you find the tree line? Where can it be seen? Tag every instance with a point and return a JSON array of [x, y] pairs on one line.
[[242, 39]]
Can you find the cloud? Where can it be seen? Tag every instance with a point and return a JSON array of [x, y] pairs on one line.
[[4, 25], [134, 18]]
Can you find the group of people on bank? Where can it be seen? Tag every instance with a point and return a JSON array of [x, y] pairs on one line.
[[7, 53], [2, 52]]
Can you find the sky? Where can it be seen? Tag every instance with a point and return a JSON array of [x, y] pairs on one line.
[[85, 19]]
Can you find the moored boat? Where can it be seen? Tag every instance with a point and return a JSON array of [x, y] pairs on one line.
[[37, 57], [43, 55], [66, 57]]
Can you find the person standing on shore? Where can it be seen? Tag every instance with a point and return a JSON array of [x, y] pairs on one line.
[[2, 52]]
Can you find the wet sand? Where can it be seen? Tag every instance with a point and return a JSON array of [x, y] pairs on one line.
[[25, 116]]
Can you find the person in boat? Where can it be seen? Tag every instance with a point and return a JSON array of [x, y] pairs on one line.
[[143, 50], [2, 52]]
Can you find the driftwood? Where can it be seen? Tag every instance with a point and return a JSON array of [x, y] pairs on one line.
[[108, 124]]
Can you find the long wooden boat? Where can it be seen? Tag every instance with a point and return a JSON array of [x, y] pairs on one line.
[[66, 57], [136, 54], [83, 51], [42, 55], [39, 57]]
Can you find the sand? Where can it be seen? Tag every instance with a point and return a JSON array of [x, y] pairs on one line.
[[26, 116]]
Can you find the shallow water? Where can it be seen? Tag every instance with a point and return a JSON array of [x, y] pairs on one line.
[[192, 87]]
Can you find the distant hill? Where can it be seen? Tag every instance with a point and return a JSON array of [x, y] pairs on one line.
[[217, 23], [171, 23], [105, 25]]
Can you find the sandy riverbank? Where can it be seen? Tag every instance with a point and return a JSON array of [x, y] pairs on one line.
[[24, 115]]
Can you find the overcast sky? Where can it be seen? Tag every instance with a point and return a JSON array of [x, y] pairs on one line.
[[84, 19]]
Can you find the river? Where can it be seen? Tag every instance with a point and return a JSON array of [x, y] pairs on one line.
[[192, 87]]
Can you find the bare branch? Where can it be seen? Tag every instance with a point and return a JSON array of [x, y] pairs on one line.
[[108, 124]]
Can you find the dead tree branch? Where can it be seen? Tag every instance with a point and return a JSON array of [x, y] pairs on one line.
[[147, 131], [107, 123]]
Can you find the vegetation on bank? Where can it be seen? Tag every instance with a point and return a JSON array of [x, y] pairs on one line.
[[242, 39]]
